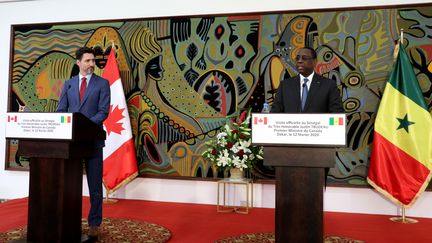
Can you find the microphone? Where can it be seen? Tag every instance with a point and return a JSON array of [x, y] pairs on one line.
[[64, 93]]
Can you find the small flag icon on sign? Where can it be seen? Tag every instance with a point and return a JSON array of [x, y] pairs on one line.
[[65, 119], [260, 120], [12, 118], [336, 121]]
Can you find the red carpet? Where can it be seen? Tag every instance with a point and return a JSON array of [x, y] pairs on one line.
[[201, 223]]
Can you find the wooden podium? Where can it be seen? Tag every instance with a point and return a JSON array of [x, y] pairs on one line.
[[300, 176], [300, 147], [56, 169]]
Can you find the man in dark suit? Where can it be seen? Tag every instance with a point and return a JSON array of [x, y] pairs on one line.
[[89, 94], [307, 92]]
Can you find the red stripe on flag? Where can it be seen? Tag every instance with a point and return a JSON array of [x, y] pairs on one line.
[[260, 120], [340, 123], [12, 118], [68, 119], [120, 165], [395, 171], [113, 74]]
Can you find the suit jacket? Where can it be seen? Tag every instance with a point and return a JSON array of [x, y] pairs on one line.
[[323, 96], [96, 101]]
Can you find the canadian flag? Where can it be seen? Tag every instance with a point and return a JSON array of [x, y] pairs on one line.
[[259, 120], [120, 164], [12, 118]]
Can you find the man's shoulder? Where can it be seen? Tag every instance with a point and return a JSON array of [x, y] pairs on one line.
[[290, 79], [323, 79], [95, 76], [293, 78], [75, 77], [99, 78]]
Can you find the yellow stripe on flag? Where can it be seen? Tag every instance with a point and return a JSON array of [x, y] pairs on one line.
[[417, 142]]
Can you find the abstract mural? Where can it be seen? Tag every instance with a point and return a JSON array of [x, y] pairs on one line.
[[183, 76]]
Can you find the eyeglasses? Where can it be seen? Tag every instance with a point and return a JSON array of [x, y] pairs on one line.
[[304, 58]]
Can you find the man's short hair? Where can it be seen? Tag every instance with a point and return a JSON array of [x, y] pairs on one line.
[[80, 52], [314, 54]]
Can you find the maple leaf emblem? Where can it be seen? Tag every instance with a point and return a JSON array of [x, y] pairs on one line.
[[112, 123]]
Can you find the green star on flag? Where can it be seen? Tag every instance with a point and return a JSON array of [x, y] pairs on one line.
[[404, 123]]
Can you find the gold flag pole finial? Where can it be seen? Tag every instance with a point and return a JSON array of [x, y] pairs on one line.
[[396, 50], [401, 36]]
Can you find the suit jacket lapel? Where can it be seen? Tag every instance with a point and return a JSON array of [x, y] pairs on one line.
[[75, 90], [90, 89], [314, 87], [295, 88]]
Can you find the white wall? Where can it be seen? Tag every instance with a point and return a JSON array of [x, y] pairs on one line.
[[14, 184]]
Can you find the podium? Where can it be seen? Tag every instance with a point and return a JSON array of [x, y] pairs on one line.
[[300, 147], [56, 170], [300, 175]]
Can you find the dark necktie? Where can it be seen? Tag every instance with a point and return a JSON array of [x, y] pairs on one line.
[[304, 93], [83, 88]]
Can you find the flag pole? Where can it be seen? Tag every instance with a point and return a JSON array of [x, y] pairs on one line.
[[402, 219], [109, 200], [396, 49], [115, 174], [401, 38]]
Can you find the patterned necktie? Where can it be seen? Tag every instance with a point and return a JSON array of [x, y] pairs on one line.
[[83, 88], [304, 93]]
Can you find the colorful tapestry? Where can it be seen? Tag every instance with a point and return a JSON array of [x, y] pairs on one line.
[[183, 75]]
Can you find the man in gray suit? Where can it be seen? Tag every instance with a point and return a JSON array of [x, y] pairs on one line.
[[89, 94], [307, 92]]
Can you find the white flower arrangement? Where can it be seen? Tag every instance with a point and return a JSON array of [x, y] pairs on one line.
[[232, 147]]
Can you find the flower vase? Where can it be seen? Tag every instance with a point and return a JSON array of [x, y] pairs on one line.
[[236, 173]]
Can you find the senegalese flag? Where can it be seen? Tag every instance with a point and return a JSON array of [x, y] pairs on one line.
[[401, 160], [336, 121], [65, 119]]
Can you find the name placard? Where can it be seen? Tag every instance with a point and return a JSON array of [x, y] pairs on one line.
[[299, 129], [39, 125]]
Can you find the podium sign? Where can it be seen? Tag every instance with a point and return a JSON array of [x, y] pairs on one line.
[[36, 125], [299, 129]]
